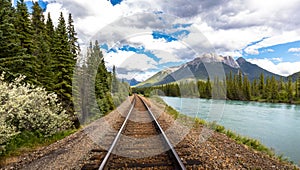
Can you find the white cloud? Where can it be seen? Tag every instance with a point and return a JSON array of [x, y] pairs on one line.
[[252, 51], [284, 37], [276, 59], [138, 62], [139, 76], [131, 65], [155, 44], [130, 61], [269, 50], [235, 54], [89, 16], [283, 68], [294, 50], [229, 26], [165, 51]]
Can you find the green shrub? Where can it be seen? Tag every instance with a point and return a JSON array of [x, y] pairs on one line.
[[24, 107], [200, 121]]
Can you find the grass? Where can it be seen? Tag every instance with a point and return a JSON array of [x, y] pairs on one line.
[[172, 112], [29, 141]]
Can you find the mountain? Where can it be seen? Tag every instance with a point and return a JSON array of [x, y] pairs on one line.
[[213, 58], [253, 71], [295, 76], [131, 82], [197, 69], [157, 77]]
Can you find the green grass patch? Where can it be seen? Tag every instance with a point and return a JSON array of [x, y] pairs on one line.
[[168, 108], [29, 141], [172, 112]]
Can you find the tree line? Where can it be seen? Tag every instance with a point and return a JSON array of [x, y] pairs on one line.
[[32, 46], [262, 89], [235, 87], [92, 86]]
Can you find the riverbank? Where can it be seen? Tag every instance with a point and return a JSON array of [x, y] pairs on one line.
[[275, 125], [250, 145]]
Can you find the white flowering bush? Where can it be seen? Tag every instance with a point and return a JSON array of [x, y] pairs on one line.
[[6, 131], [24, 107]]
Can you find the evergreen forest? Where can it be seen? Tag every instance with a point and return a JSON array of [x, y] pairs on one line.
[[235, 87]]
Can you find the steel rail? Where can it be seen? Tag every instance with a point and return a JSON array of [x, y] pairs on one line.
[[105, 160], [179, 164]]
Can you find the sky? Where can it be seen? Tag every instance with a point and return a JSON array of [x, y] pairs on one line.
[[142, 37]]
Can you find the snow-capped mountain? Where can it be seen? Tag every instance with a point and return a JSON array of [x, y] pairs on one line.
[[196, 69]]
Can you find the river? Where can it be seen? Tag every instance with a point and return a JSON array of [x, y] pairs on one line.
[[275, 125]]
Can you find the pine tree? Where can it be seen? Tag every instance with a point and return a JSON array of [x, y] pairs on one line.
[[240, 86], [41, 41], [63, 64], [273, 89], [240, 80], [72, 35], [235, 91], [38, 18], [25, 31], [281, 84], [297, 85], [49, 28], [96, 74], [9, 42], [289, 90], [246, 88], [267, 89], [114, 81], [208, 89], [261, 84], [47, 74], [16, 44], [40, 34], [229, 83], [254, 88]]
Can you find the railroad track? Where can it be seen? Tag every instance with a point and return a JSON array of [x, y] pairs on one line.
[[139, 143]]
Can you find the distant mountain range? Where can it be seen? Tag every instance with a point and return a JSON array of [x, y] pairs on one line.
[[131, 82], [196, 69], [253, 71], [295, 76]]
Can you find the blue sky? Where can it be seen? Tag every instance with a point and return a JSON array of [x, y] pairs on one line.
[[29, 4], [266, 33], [280, 51]]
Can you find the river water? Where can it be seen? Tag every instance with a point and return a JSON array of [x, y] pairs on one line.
[[275, 125]]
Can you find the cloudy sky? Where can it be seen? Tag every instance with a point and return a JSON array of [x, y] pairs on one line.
[[142, 36]]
